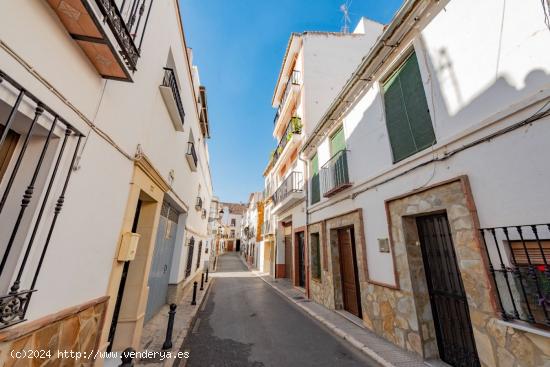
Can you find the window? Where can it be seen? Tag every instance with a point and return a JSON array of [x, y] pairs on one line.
[[200, 255], [337, 141], [233, 222], [189, 264], [315, 184], [315, 256], [408, 120], [6, 150]]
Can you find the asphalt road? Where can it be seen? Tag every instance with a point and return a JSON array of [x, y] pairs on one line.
[[244, 322]]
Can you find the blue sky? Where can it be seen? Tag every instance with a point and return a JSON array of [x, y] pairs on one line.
[[238, 46]]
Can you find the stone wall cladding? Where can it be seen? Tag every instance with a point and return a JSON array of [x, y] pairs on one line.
[[321, 291], [77, 329], [408, 308], [328, 292]]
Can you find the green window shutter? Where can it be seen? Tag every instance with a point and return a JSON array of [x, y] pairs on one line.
[[337, 141], [407, 116], [315, 182]]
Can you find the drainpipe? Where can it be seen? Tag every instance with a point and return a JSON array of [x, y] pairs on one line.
[[306, 236]]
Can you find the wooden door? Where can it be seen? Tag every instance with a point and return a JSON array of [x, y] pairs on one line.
[[348, 272], [288, 257], [7, 149], [448, 300]]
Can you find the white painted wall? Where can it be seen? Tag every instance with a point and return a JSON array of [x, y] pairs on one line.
[[329, 60], [132, 114], [482, 70]]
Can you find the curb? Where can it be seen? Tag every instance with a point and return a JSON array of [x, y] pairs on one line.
[[338, 332], [181, 339]]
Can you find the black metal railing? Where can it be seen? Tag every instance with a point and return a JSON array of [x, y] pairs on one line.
[[295, 79], [198, 203], [200, 255], [189, 263], [294, 126], [519, 261], [203, 216], [334, 174], [192, 152], [15, 301], [128, 23], [171, 82], [293, 183]]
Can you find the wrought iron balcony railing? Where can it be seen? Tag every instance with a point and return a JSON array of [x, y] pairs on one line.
[[293, 183], [295, 79], [37, 200], [334, 174], [294, 127], [109, 32], [170, 81], [519, 262], [192, 154], [198, 203]]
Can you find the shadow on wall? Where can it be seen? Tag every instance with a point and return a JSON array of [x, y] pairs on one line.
[[371, 135]]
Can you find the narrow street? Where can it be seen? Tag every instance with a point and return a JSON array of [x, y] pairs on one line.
[[244, 322]]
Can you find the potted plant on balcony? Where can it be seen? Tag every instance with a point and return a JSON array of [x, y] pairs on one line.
[[289, 135], [296, 125]]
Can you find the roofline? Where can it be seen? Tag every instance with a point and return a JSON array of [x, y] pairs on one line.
[[408, 7], [289, 43], [186, 52]]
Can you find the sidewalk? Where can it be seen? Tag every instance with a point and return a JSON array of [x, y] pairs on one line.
[[377, 348], [154, 331]]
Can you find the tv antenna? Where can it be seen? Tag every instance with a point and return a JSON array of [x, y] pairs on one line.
[[346, 20]]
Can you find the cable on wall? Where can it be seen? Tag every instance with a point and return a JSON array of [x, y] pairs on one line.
[[60, 95]]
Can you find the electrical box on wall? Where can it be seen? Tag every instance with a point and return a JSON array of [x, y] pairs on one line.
[[128, 246], [383, 245]]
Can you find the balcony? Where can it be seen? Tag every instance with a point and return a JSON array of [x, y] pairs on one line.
[[109, 34], [291, 89], [171, 94], [198, 203], [191, 156], [268, 228], [203, 216], [293, 129], [519, 262], [334, 174], [289, 192]]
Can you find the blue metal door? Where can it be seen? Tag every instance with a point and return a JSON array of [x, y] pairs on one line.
[[159, 276]]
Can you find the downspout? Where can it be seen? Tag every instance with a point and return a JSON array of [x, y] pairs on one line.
[[306, 235]]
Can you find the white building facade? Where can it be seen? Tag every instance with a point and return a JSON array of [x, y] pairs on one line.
[[315, 67], [104, 176], [428, 204]]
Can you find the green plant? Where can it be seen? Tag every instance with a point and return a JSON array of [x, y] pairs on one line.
[[289, 135], [296, 125], [279, 150]]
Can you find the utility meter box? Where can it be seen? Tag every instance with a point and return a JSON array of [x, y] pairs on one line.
[[128, 246]]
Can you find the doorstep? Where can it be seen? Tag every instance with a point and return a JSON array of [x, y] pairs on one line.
[[377, 348]]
